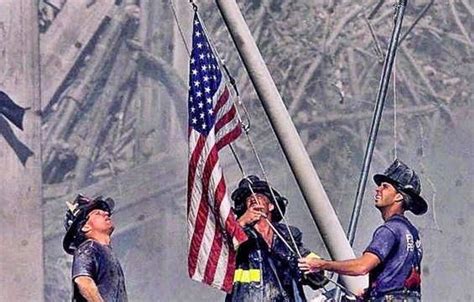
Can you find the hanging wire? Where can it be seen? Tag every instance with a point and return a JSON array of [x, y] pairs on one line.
[[246, 129], [428, 179], [395, 136], [267, 220], [377, 48], [375, 9], [241, 168], [265, 176]]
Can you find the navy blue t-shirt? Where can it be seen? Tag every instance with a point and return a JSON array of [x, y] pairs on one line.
[[397, 244], [97, 261]]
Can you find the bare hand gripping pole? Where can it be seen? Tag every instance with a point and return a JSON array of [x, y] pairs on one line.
[[298, 159]]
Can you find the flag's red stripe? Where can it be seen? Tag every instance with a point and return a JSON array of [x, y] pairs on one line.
[[200, 225], [220, 193], [229, 274], [203, 211], [194, 175], [222, 100], [201, 220], [218, 238], [234, 229], [226, 118], [193, 161], [201, 215], [213, 257], [229, 137]]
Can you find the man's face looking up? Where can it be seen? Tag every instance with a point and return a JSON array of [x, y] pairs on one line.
[[99, 221]]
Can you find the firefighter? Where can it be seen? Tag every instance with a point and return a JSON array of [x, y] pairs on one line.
[[393, 258], [96, 272], [267, 268]]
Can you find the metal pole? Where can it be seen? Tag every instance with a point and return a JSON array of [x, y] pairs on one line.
[[308, 180], [418, 18], [381, 96]]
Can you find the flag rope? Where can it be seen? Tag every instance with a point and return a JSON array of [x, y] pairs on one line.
[[246, 128]]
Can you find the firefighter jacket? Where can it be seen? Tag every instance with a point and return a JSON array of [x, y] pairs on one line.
[[266, 273]]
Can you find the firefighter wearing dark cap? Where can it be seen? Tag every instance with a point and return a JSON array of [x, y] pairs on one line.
[[266, 268], [96, 271], [393, 257]]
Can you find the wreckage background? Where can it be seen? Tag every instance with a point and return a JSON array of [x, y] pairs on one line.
[[116, 126]]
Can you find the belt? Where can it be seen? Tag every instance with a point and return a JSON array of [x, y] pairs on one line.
[[396, 294]]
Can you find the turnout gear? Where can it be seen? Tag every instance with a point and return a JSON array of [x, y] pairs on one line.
[[271, 273]]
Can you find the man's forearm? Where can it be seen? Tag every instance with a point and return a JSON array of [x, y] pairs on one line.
[[353, 267], [88, 289], [346, 267]]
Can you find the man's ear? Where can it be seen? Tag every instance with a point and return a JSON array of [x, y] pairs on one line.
[[398, 197], [271, 206], [86, 228]]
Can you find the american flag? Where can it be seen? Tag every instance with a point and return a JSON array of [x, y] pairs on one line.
[[212, 228]]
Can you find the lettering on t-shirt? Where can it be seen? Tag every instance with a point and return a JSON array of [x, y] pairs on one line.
[[410, 242]]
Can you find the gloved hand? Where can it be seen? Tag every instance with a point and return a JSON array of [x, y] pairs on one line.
[[315, 280]]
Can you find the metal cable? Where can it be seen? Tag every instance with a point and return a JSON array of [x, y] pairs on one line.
[[418, 18], [395, 136], [277, 205]]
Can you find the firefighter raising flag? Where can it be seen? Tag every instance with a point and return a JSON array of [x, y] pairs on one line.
[[213, 124]]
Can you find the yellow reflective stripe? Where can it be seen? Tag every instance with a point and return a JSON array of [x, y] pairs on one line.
[[237, 275], [313, 255], [246, 276]]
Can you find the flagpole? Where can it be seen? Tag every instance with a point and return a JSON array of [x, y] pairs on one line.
[[308, 180]]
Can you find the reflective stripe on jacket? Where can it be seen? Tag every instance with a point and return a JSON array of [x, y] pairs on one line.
[[268, 273]]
